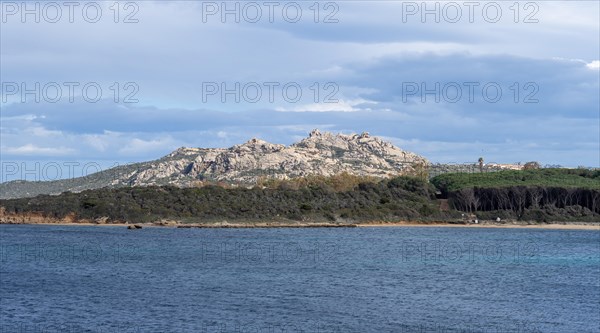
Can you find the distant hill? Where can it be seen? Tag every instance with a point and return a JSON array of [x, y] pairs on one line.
[[323, 154]]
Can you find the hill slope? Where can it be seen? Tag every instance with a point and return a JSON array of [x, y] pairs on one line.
[[390, 199], [322, 154]]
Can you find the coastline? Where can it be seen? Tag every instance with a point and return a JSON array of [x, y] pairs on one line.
[[553, 226], [273, 225]]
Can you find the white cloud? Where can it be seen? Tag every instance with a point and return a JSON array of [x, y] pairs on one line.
[[138, 146], [33, 150], [340, 106], [594, 65], [346, 53], [42, 132], [100, 142]]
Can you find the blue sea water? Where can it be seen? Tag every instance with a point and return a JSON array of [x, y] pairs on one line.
[[393, 279]]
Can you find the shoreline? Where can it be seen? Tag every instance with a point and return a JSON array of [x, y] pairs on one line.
[[551, 226], [275, 225]]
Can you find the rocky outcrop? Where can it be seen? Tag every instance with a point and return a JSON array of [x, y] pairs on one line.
[[323, 154], [36, 218], [319, 154]]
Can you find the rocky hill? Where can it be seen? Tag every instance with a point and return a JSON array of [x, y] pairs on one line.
[[323, 154]]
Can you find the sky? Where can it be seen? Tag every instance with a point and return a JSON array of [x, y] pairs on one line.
[[106, 83]]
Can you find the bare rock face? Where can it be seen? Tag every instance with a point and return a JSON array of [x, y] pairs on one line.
[[318, 154]]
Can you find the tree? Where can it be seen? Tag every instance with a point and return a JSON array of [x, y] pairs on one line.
[[420, 170], [531, 165], [519, 196], [466, 200], [595, 201], [535, 196]]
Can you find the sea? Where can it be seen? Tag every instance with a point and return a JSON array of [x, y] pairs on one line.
[[366, 279]]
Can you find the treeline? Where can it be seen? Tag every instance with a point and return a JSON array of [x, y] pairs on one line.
[[523, 201], [565, 178], [540, 195], [390, 199]]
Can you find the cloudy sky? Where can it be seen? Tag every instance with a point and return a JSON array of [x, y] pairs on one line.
[[133, 81]]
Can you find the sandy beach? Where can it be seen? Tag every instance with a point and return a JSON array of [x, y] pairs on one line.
[[400, 224], [557, 225]]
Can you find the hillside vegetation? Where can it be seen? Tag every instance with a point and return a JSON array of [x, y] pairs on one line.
[[567, 178], [541, 195], [391, 199]]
